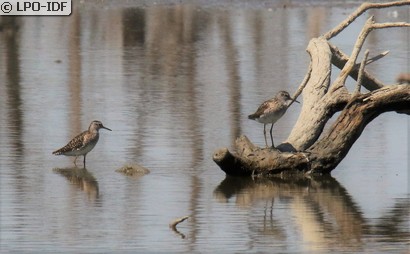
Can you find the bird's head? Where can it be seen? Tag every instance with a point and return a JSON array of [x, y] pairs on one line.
[[283, 95], [96, 125]]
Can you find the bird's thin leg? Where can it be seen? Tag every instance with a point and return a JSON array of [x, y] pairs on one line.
[[84, 159], [264, 134], [271, 136], [75, 164]]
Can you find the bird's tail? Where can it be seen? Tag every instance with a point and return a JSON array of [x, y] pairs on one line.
[[252, 117], [57, 152]]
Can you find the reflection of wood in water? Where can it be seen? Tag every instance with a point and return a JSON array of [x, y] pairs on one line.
[[322, 211], [82, 179]]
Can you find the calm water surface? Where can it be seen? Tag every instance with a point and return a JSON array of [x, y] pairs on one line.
[[175, 82]]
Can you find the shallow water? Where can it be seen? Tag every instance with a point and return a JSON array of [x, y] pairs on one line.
[[174, 82]]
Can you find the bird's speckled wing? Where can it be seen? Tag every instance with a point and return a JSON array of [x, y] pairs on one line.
[[261, 110], [75, 144]]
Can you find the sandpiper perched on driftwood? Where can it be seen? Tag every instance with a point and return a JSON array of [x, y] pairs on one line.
[[271, 111], [82, 143]]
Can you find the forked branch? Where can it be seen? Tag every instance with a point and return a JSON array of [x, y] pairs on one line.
[[359, 11], [350, 64], [361, 72]]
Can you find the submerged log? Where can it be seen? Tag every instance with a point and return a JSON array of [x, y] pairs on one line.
[[303, 151]]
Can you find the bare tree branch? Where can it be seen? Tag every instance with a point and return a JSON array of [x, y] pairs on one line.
[[389, 25], [303, 84], [374, 58], [361, 72], [339, 59], [341, 79], [308, 126], [350, 64], [364, 7], [173, 224]]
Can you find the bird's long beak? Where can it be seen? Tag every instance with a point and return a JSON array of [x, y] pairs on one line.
[[290, 101], [106, 128]]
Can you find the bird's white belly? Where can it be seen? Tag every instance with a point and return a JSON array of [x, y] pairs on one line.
[[82, 151], [270, 117]]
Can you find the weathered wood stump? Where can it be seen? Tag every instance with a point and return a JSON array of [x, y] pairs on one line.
[[303, 151]]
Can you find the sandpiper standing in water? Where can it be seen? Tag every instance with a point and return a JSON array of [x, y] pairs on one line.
[[271, 111], [82, 143]]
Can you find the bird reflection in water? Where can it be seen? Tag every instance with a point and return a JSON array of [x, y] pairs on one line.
[[81, 178]]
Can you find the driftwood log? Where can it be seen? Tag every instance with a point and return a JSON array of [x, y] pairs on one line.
[[304, 151]]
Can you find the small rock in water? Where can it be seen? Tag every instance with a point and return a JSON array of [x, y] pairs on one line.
[[133, 170]]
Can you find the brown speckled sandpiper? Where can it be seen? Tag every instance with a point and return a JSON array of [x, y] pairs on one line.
[[271, 111], [82, 143]]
